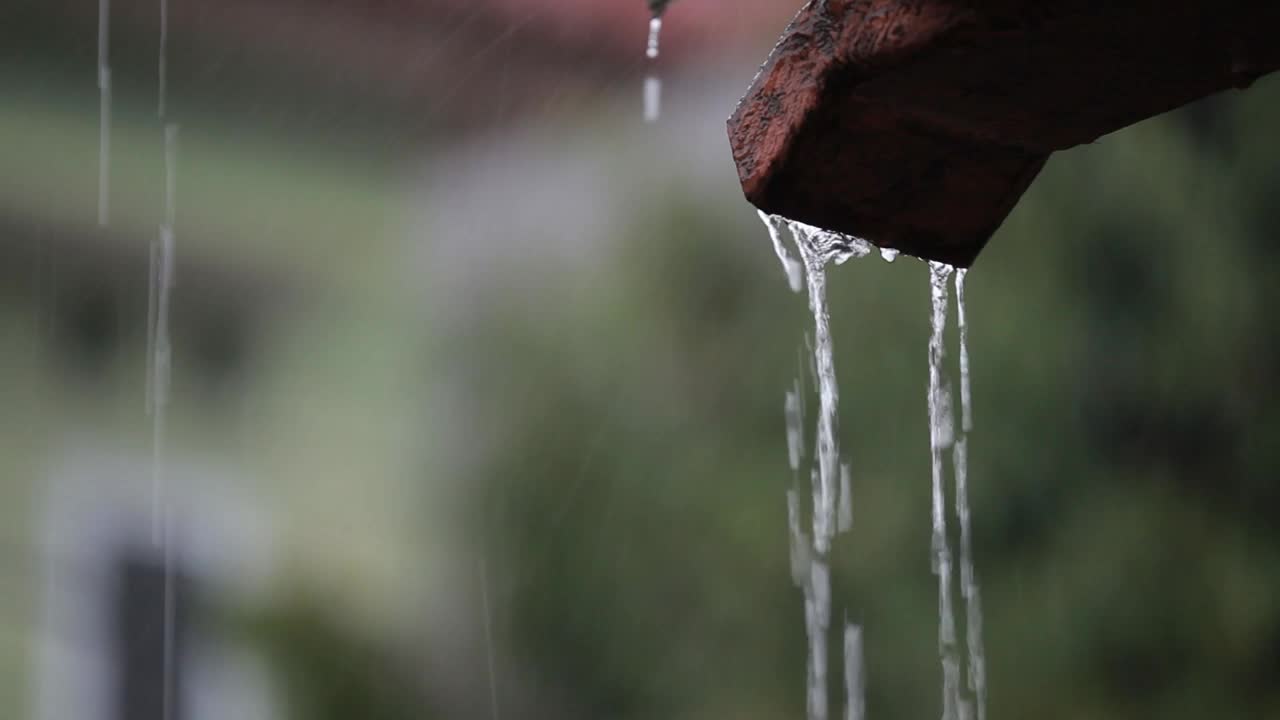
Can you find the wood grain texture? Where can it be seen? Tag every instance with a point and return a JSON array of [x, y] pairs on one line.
[[917, 124]]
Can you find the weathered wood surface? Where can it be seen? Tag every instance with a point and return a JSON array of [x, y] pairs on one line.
[[917, 124]]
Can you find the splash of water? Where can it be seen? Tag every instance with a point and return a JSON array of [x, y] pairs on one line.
[[888, 254]]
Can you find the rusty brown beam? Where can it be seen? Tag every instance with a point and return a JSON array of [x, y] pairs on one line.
[[917, 124]]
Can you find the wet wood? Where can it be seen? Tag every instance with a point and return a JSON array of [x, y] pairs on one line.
[[918, 124]]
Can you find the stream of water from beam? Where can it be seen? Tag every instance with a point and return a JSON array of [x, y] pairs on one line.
[[831, 481]]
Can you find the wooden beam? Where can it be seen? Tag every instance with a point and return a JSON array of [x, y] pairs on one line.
[[917, 124]]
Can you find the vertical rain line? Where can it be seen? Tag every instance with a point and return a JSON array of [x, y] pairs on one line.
[[104, 112], [969, 588], [652, 82], [488, 638], [941, 436], [162, 285], [162, 504], [152, 270], [169, 609], [162, 62]]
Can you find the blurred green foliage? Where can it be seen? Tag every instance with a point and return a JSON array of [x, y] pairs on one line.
[[328, 669]]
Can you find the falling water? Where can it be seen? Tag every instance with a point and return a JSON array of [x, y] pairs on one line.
[[818, 247], [832, 503], [941, 437], [833, 506], [653, 83], [854, 682], [162, 265], [488, 638], [655, 35], [162, 280], [652, 98], [162, 64], [844, 513], [104, 111], [977, 680], [956, 702], [790, 265]]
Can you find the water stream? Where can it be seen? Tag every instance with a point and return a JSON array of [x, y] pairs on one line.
[[162, 282], [831, 483], [652, 82], [969, 590], [830, 480], [104, 112], [968, 700], [162, 62], [941, 437]]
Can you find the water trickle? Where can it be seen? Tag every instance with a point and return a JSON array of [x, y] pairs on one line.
[[832, 499], [828, 452], [969, 701], [652, 98], [488, 639], [104, 112], [833, 506], [844, 514], [162, 281], [653, 83], [818, 247], [854, 680], [655, 36], [790, 265], [940, 439], [795, 429], [969, 590], [965, 397], [162, 64], [162, 275]]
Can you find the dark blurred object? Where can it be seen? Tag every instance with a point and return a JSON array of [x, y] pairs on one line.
[[917, 124]]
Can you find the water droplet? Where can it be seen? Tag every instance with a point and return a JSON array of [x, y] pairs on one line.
[[652, 98], [655, 35]]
